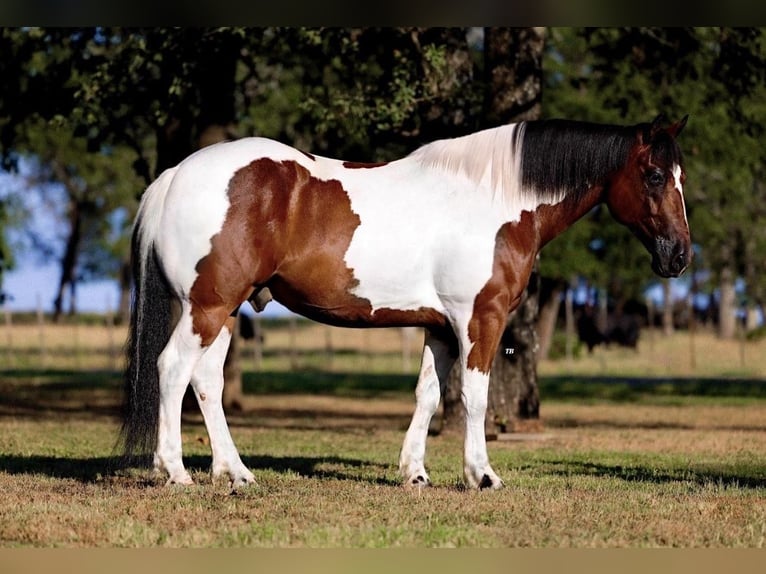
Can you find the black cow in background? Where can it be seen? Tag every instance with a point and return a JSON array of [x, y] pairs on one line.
[[623, 328]]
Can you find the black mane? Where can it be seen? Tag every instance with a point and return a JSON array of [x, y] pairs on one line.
[[563, 156]]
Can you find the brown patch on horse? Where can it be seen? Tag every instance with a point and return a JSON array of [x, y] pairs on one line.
[[516, 246], [425, 316], [362, 165], [515, 250], [288, 231]]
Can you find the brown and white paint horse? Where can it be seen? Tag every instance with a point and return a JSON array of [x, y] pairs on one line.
[[444, 238]]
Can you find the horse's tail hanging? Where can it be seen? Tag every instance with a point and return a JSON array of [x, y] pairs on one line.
[[149, 329]]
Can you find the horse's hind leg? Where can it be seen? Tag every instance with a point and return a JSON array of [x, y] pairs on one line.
[[176, 364], [207, 381], [435, 367]]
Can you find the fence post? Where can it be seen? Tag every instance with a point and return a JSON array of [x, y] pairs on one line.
[[257, 343], [407, 334], [41, 331], [112, 353], [8, 337], [328, 349], [293, 351]]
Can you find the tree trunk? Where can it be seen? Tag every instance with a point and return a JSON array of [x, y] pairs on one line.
[[667, 308], [215, 124], [123, 307], [727, 320], [69, 260], [550, 304], [569, 321], [513, 63], [514, 400], [513, 67], [232, 373], [181, 136]]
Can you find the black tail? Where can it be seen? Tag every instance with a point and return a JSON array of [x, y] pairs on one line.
[[149, 333]]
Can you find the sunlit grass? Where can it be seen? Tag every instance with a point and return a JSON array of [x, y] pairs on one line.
[[634, 450]]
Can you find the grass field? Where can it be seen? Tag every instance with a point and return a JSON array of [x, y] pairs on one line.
[[649, 455]]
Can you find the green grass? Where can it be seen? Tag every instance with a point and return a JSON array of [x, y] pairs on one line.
[[651, 390], [342, 491], [635, 464]]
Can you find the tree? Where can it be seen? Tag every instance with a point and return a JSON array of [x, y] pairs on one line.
[[96, 186], [714, 74], [513, 79]]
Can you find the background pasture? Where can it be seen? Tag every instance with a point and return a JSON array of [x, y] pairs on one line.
[[659, 456]]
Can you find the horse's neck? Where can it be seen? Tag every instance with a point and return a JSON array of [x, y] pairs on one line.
[[552, 220]]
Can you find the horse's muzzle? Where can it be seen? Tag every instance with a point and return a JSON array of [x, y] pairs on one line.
[[671, 259]]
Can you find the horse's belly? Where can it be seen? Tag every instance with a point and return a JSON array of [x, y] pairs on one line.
[[341, 307]]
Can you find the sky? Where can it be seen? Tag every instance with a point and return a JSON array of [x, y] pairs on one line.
[[31, 286]]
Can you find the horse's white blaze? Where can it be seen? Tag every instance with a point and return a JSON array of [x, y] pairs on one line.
[[680, 188]]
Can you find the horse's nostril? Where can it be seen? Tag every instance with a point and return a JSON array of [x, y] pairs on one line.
[[680, 261]]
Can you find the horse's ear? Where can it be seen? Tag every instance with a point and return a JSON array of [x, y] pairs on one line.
[[677, 127], [656, 125]]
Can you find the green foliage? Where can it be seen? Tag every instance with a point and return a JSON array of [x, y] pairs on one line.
[[364, 93], [718, 76], [117, 104], [558, 347], [104, 109]]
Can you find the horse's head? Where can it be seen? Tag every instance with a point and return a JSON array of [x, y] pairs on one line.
[[647, 196]]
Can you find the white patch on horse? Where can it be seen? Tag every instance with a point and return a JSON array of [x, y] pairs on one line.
[[429, 221], [680, 188]]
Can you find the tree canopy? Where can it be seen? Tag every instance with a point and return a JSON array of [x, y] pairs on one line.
[[716, 75], [106, 108]]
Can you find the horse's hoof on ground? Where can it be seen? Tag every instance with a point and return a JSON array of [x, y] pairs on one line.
[[486, 480], [241, 481], [183, 480], [418, 481], [489, 483]]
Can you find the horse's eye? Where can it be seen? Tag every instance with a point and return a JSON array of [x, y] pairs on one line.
[[655, 178]]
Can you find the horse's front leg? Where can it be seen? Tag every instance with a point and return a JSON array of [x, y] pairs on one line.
[[438, 358], [478, 344]]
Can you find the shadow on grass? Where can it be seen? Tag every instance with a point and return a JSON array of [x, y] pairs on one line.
[[83, 469], [632, 389], [97, 469], [48, 393], [560, 422], [48, 389], [347, 384], [638, 473]]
